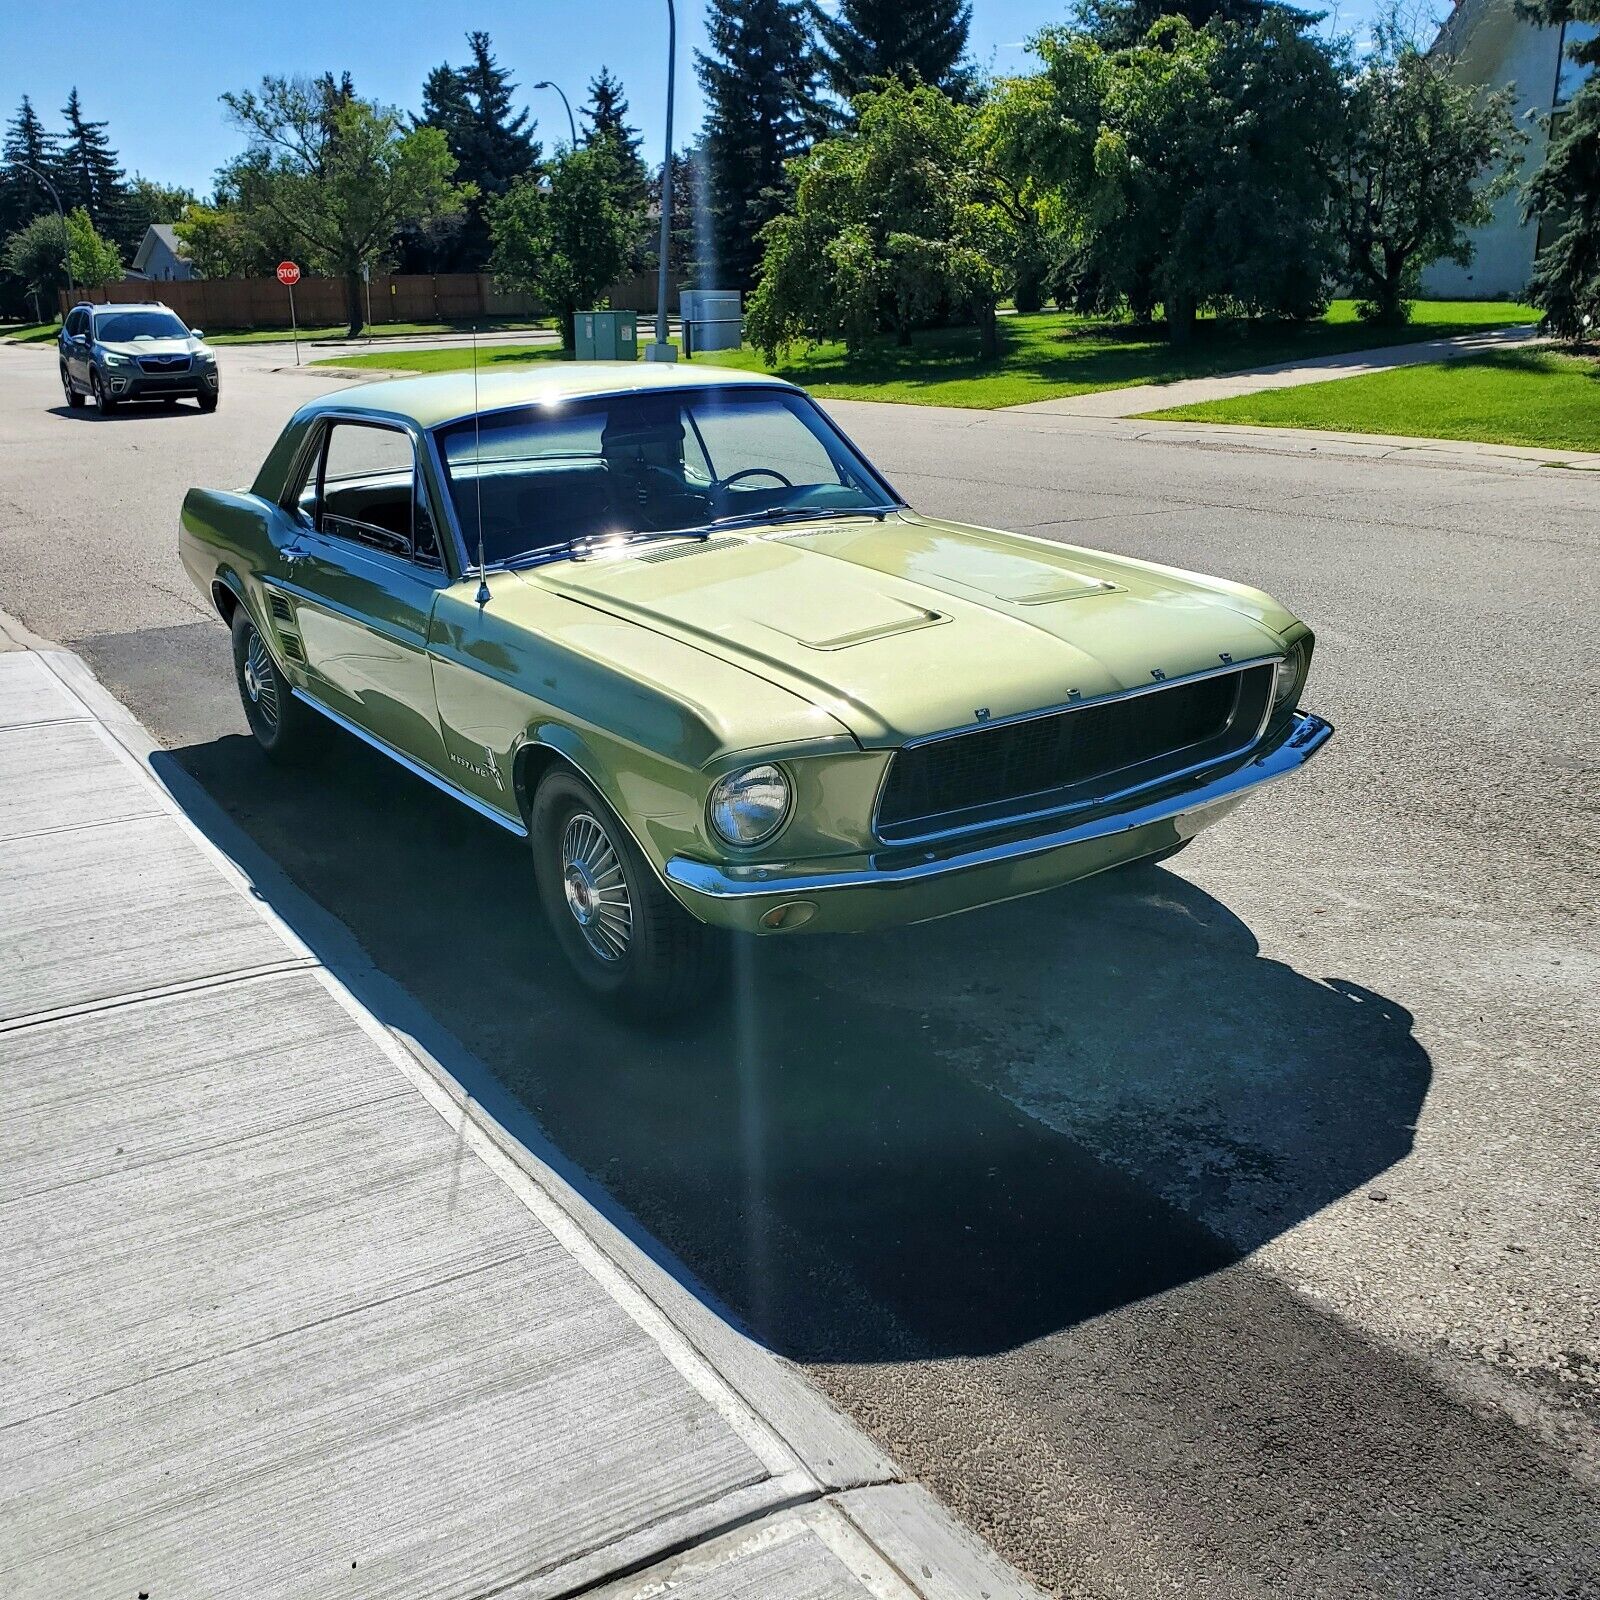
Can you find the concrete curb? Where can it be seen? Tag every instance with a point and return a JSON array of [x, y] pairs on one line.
[[857, 1502]]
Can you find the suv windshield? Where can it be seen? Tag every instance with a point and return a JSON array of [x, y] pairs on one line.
[[122, 327], [661, 462]]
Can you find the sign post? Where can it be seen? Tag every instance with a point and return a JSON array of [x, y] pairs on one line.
[[289, 276]]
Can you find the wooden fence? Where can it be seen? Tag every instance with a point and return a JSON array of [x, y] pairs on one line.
[[399, 297]]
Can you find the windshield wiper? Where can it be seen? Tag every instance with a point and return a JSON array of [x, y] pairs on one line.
[[582, 548], [802, 514]]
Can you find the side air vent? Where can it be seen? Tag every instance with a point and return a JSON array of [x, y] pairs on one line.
[[291, 648], [280, 608], [676, 552]]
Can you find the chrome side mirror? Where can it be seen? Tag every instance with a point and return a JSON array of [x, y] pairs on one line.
[[197, 333]]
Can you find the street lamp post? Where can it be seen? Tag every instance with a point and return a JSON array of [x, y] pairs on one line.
[[572, 126], [662, 350], [34, 172]]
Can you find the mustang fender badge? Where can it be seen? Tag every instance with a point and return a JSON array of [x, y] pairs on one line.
[[982, 713]]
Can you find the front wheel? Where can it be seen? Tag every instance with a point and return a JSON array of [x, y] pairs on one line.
[[102, 396], [74, 399], [208, 402], [626, 938], [284, 728]]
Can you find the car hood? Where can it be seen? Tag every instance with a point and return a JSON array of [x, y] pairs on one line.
[[153, 347], [911, 626]]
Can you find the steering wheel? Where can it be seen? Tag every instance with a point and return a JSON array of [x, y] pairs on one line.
[[754, 472]]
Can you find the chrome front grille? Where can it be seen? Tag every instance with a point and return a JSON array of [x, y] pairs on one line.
[[1061, 759]]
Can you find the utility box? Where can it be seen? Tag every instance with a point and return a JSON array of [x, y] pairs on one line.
[[606, 335], [713, 319]]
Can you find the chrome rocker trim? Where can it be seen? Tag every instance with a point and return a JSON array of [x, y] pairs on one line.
[[1309, 735], [415, 768]]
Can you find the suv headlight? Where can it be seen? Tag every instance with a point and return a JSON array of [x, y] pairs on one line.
[[1291, 678], [750, 805], [112, 359]]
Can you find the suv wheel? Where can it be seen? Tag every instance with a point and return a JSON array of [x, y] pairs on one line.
[[207, 402], [102, 398], [286, 729], [74, 399], [627, 939]]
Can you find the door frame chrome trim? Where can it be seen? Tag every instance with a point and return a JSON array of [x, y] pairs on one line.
[[415, 768]]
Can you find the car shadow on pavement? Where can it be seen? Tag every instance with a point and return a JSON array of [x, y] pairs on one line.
[[128, 408], [835, 1151]]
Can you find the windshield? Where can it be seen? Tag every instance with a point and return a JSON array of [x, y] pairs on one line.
[[123, 327], [661, 462]]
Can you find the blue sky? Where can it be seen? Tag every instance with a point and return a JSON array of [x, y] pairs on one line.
[[154, 70]]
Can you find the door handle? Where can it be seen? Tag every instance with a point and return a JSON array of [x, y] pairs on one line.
[[291, 555]]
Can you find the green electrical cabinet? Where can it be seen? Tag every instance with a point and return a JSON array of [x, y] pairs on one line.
[[606, 335]]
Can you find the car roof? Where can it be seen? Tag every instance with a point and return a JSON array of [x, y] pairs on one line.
[[123, 305], [449, 396]]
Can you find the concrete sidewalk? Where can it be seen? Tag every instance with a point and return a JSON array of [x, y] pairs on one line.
[[291, 1309], [1145, 398]]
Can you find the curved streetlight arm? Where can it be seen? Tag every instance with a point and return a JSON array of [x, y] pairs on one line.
[[572, 126], [34, 172], [661, 350]]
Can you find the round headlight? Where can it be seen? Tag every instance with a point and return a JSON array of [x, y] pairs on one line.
[[749, 806], [1291, 678]]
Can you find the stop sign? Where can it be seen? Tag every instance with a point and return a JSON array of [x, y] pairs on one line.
[[288, 274]]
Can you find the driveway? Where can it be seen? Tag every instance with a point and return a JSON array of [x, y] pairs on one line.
[[1220, 1229]]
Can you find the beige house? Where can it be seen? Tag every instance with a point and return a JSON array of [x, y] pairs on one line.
[[1492, 46]]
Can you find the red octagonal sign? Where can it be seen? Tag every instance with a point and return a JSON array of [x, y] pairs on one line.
[[288, 274]]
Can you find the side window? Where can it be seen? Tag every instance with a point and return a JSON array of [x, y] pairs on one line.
[[368, 491]]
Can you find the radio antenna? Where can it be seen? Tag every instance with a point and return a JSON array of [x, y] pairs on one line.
[[477, 469]]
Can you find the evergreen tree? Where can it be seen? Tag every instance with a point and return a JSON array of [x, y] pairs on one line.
[[1117, 24], [1565, 192], [761, 111], [22, 196], [93, 178], [909, 40], [492, 142], [606, 130]]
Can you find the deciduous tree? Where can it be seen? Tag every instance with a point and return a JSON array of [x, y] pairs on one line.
[[36, 255], [566, 243], [332, 177], [896, 222], [1423, 159]]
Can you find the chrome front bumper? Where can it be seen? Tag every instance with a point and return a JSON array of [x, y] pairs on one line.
[[912, 886]]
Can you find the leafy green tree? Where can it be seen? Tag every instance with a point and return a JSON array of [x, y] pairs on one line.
[[94, 180], [566, 243], [897, 222], [910, 40], [474, 107], [1424, 158], [1565, 192], [1193, 169], [220, 245], [760, 81], [36, 255], [331, 177]]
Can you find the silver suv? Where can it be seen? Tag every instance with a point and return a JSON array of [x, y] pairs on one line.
[[134, 352]]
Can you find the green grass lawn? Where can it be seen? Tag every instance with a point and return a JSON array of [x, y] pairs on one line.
[[1044, 355], [1525, 397], [44, 332]]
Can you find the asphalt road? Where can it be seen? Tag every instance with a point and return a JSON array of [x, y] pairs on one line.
[[1226, 1230]]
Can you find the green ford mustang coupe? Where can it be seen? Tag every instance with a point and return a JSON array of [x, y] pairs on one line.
[[672, 627]]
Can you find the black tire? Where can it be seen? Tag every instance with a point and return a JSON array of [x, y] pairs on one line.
[[207, 402], [74, 399], [103, 401], [288, 731], [637, 948]]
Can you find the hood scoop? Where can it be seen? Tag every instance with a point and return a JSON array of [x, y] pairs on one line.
[[1008, 576], [911, 619]]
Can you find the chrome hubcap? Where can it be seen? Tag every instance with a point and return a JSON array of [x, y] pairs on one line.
[[596, 890], [260, 681]]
